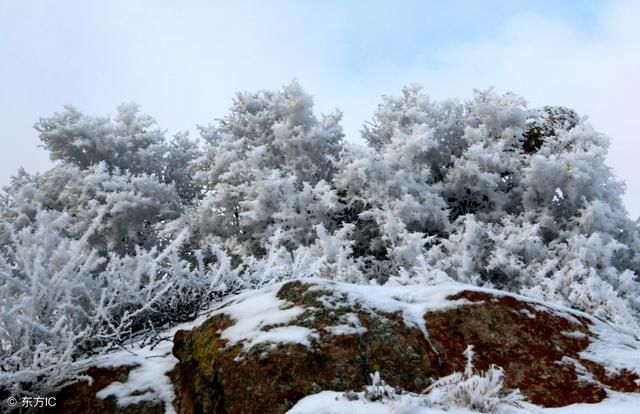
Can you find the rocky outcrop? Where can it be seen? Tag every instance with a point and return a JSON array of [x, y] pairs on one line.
[[262, 351], [544, 350]]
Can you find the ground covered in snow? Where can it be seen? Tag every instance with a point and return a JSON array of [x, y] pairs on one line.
[[330, 402]]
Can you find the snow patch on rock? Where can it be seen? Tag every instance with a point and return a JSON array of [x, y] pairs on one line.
[[259, 317]]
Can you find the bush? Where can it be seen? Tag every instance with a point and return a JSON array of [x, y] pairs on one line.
[[480, 391], [60, 301]]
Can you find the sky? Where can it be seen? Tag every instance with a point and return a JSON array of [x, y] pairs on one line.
[[184, 61]]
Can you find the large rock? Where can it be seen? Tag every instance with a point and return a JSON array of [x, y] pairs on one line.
[[346, 344], [264, 350]]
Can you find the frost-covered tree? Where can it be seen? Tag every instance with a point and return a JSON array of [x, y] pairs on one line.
[[413, 113], [486, 178], [268, 167], [130, 143], [530, 203], [392, 200], [124, 167], [393, 191], [134, 206]]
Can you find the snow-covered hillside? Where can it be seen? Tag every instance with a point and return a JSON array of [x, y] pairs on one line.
[[335, 403]]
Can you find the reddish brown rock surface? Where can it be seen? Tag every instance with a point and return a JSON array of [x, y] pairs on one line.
[[538, 348], [532, 345]]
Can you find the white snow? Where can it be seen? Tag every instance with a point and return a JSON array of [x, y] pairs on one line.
[[616, 403], [351, 325], [149, 378], [282, 334], [575, 334], [254, 311], [330, 402], [527, 313], [410, 301], [148, 381], [614, 348]]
